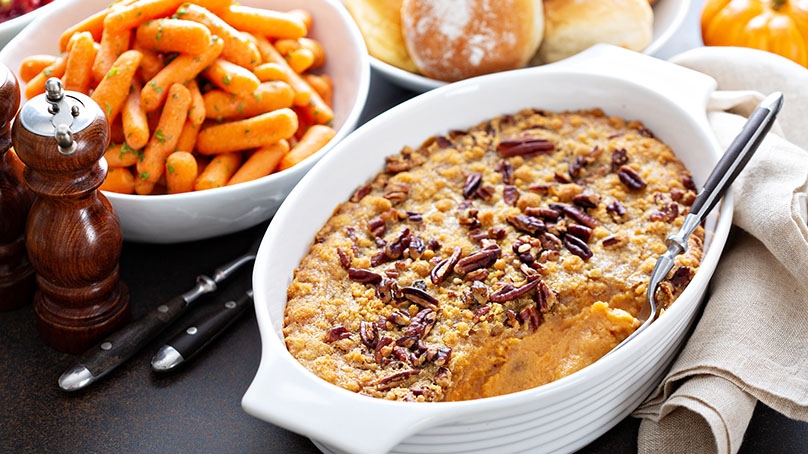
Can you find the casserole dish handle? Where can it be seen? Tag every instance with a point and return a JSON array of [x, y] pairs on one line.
[[688, 88]]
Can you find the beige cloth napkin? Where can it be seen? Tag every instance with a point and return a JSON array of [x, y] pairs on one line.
[[751, 342]]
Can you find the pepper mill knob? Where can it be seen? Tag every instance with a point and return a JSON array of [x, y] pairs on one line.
[[16, 273], [74, 238]]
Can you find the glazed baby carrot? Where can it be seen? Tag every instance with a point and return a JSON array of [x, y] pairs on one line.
[[314, 139], [261, 163], [188, 135], [316, 49], [220, 105], [182, 69], [322, 84], [121, 155], [93, 24], [237, 48], [113, 90], [249, 133], [151, 64], [34, 64], [269, 71], [218, 171], [231, 77], [119, 179], [181, 172], [113, 44], [36, 85], [173, 35], [129, 16], [196, 113], [300, 60], [133, 119], [267, 22], [305, 96], [304, 16], [164, 138], [80, 58]]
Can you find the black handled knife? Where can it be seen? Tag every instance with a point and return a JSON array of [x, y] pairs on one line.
[[122, 344], [200, 333]]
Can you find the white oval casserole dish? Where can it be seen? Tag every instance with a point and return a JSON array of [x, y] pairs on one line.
[[558, 417]]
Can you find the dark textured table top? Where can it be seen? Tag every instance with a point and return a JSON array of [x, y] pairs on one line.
[[197, 408]]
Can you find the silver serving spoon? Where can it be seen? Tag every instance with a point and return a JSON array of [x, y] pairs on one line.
[[729, 166]]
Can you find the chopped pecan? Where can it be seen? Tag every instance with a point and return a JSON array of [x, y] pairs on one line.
[[550, 242], [687, 181], [414, 216], [577, 247], [445, 266], [421, 323], [577, 166], [561, 178], [526, 223], [399, 317], [482, 258], [545, 298], [611, 241], [419, 297], [485, 192], [442, 356], [477, 275], [576, 213], [681, 277], [548, 214], [364, 276], [509, 292], [384, 347], [479, 292], [668, 213], [481, 312], [403, 161], [407, 341], [619, 158], [396, 192], [630, 178], [586, 200], [344, 258], [473, 182], [531, 316], [416, 247], [395, 379], [369, 333], [510, 194], [336, 333], [581, 231], [524, 147], [387, 290], [377, 226], [443, 377], [506, 169], [395, 248], [360, 193], [616, 209]]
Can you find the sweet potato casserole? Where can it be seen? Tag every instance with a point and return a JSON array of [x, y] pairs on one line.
[[491, 260]]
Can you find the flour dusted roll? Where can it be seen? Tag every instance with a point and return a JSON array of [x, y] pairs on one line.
[[456, 39], [574, 25]]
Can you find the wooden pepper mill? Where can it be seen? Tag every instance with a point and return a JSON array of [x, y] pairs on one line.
[[74, 238], [16, 273]]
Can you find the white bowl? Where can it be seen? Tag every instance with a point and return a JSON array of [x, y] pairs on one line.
[[10, 28], [561, 416], [203, 214], [668, 18]]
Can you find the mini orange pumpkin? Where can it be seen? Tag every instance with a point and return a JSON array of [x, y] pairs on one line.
[[778, 26]]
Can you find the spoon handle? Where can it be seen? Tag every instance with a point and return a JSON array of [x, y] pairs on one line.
[[738, 154]]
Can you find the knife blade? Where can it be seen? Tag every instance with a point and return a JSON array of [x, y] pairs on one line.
[[200, 333], [122, 344]]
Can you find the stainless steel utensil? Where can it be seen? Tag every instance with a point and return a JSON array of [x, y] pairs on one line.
[[721, 178]]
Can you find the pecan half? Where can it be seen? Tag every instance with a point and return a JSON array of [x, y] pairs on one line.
[[344, 258], [481, 258], [419, 297], [576, 213], [473, 182], [360, 193], [336, 333], [384, 347], [577, 247], [445, 267], [619, 158], [369, 334], [387, 290], [524, 147], [509, 293], [395, 379], [630, 178], [510, 194], [364, 276], [506, 169], [581, 231], [421, 323], [548, 214], [526, 223], [396, 192], [531, 316]]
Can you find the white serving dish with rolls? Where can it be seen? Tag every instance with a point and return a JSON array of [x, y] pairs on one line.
[[668, 17], [203, 214], [561, 416]]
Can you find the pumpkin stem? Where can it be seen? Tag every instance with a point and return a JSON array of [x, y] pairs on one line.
[[777, 4]]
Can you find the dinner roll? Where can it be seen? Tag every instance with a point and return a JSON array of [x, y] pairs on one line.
[[380, 24], [456, 39], [574, 25]]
